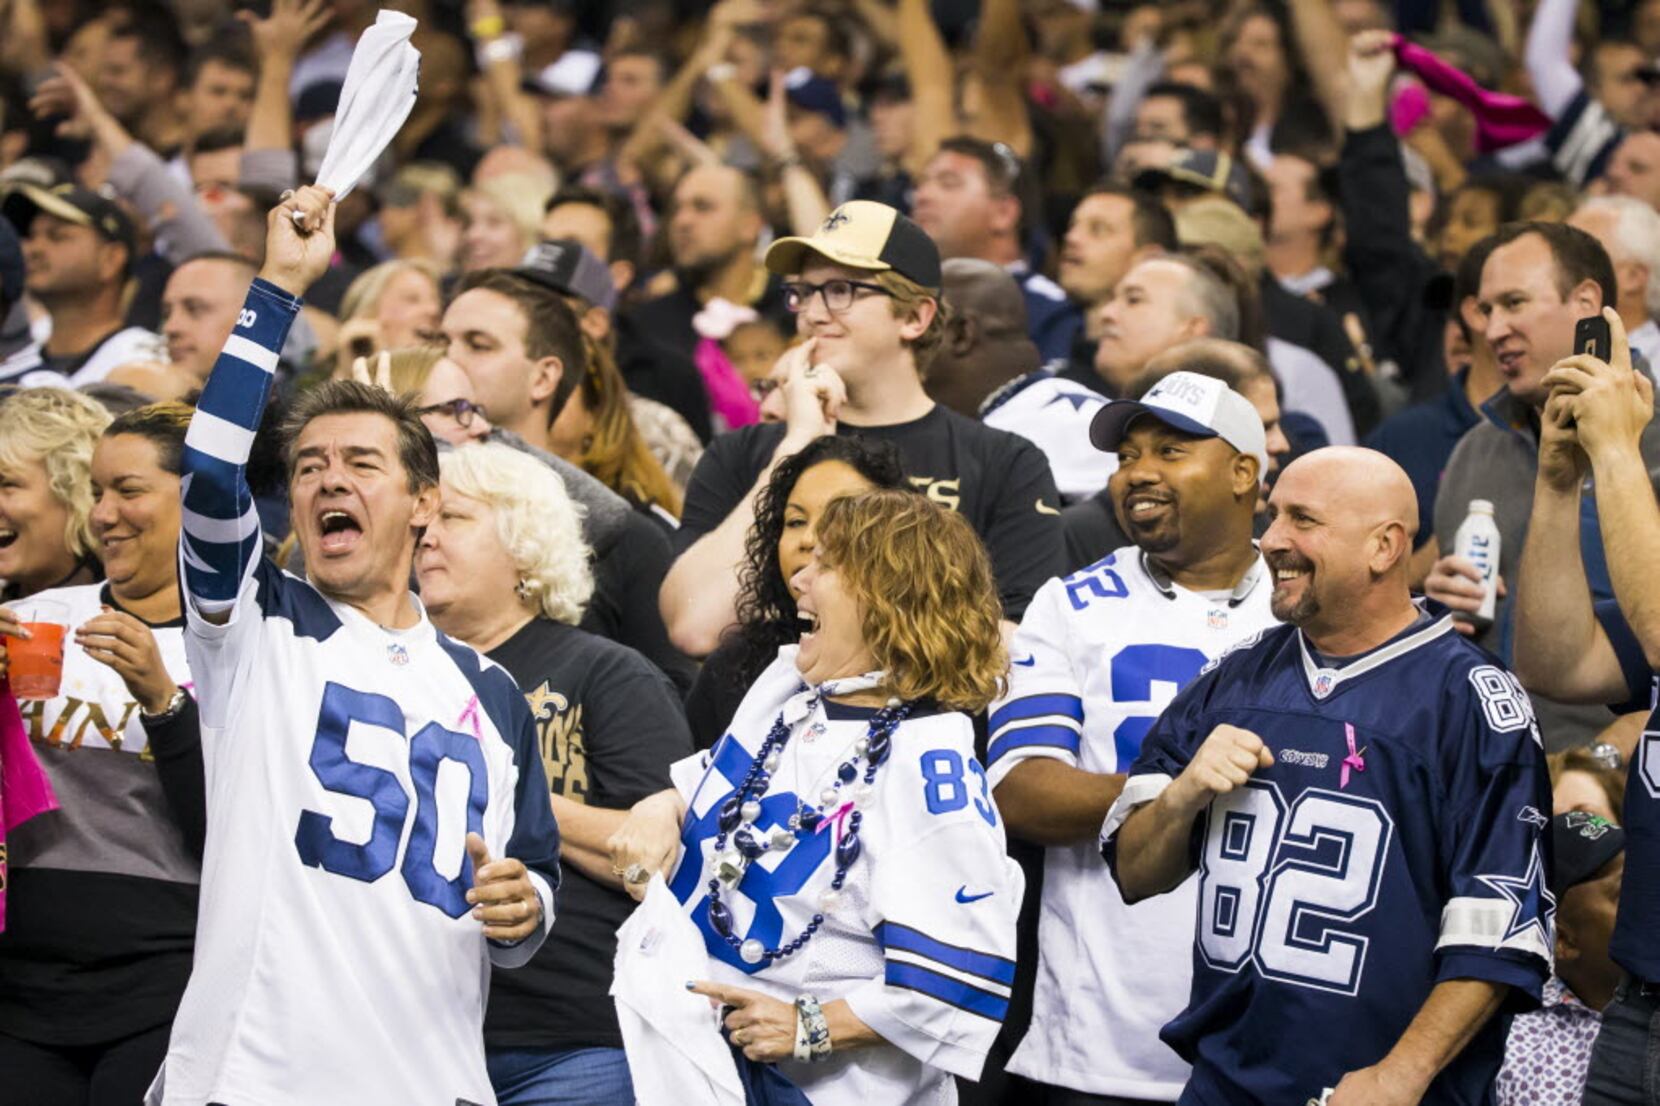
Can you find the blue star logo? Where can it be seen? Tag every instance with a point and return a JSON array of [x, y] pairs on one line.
[[1533, 902], [1076, 399]]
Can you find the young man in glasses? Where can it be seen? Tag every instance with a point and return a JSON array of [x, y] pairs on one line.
[[865, 292], [969, 200]]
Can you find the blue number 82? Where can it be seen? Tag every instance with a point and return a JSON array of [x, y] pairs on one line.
[[945, 789], [315, 838]]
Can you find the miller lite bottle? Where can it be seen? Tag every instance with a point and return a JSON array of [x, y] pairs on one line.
[[1478, 543]]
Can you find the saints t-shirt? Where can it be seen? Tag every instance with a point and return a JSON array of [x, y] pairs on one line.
[[998, 481], [609, 725]]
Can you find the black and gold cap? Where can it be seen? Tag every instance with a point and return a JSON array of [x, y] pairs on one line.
[[863, 234], [20, 203]]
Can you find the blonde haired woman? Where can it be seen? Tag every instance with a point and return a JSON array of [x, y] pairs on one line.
[[842, 854], [46, 440], [501, 219], [504, 569], [394, 305]]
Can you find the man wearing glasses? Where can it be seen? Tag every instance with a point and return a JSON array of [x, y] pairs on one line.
[[865, 292], [969, 200]]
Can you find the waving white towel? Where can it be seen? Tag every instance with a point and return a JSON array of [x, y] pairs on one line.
[[378, 96]]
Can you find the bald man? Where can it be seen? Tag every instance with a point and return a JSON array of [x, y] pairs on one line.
[[1362, 793], [989, 369]]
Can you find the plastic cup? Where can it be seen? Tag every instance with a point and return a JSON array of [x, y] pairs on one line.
[[35, 664]]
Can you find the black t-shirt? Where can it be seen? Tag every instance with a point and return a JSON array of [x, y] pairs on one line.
[[1092, 531], [624, 606], [609, 725], [998, 481], [720, 686]]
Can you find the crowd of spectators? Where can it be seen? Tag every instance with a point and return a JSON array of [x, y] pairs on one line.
[[667, 280]]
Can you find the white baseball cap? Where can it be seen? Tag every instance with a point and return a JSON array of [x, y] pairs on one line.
[[1199, 405]]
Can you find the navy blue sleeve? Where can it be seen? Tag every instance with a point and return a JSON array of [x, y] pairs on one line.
[[219, 542]]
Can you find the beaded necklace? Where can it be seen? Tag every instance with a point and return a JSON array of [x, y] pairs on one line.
[[738, 813]]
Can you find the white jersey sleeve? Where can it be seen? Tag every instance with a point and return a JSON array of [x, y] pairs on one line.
[[944, 898], [1041, 712]]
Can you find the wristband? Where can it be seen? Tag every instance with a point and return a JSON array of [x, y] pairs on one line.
[[168, 712], [505, 48], [488, 27], [812, 1030], [721, 71]]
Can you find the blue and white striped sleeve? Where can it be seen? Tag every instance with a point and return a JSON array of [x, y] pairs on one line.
[[219, 543], [1040, 713], [944, 899]]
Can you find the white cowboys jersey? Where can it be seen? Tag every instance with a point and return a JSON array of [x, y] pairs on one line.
[[922, 941], [1097, 657]]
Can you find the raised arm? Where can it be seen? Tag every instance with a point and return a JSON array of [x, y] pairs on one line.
[[1323, 45], [219, 543], [278, 40], [933, 81], [1001, 49], [1560, 650], [1550, 39]]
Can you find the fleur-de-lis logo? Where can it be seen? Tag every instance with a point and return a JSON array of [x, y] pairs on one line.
[[837, 218]]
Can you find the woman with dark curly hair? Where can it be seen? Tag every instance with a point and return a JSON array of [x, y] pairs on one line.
[[830, 845], [778, 544]]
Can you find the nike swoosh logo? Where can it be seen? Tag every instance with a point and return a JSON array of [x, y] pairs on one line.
[[1044, 508], [963, 898], [1027, 663]]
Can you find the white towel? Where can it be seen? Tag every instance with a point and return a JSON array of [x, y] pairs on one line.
[[378, 96], [676, 1054]]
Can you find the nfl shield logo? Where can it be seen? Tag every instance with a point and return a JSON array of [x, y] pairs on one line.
[[1323, 683], [397, 654], [1217, 620]]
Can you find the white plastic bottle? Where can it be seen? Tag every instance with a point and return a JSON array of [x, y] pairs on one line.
[[1478, 543]]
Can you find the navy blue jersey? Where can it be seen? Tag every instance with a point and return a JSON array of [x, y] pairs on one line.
[[1636, 944], [1396, 842]]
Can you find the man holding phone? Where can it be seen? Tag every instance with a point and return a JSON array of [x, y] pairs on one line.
[[1538, 285]]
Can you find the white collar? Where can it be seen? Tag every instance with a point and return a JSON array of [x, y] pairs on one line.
[[1323, 682]]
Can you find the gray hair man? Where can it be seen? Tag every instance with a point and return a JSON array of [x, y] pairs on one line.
[[1629, 230]]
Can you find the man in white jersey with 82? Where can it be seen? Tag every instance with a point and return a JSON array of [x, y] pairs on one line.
[[1098, 655], [362, 769]]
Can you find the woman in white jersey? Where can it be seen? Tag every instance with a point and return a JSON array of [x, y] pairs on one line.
[[46, 440], [839, 849], [101, 907]]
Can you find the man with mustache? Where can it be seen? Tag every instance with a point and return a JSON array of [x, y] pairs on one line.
[[1097, 656], [1361, 792]]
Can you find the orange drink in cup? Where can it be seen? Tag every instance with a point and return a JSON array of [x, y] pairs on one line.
[[35, 664]]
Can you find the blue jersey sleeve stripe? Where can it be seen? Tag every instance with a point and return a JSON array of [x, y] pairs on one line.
[[219, 438], [220, 530], [943, 988], [1035, 706], [1059, 737], [892, 935], [252, 352]]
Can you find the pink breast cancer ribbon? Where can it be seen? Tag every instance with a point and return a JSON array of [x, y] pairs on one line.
[[837, 818], [1355, 759], [469, 718]]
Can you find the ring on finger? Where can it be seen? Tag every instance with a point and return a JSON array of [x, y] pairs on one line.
[[636, 873]]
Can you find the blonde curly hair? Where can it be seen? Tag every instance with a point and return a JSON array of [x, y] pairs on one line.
[[924, 582], [58, 429], [538, 523]]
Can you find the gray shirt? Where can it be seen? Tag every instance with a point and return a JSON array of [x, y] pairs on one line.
[[1499, 463]]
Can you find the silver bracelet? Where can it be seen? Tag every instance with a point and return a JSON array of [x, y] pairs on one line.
[[812, 1030]]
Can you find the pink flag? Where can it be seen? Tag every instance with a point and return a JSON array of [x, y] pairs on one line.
[[24, 789], [1501, 119]]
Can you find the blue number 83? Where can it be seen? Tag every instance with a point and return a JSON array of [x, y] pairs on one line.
[[315, 839], [945, 790]]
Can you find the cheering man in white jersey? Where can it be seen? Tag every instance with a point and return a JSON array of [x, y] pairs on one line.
[[362, 769], [1097, 656]]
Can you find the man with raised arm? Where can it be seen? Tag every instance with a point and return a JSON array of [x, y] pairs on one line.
[[362, 769], [1364, 797]]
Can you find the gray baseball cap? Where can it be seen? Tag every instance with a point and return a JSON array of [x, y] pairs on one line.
[[569, 268]]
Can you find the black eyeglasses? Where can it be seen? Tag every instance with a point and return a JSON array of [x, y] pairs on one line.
[[838, 294], [461, 410]]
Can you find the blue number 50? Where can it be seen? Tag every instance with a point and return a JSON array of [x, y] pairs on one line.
[[431, 746]]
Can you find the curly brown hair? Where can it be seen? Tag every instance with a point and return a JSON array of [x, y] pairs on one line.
[[924, 581]]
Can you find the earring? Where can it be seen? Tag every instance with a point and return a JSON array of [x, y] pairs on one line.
[[522, 590]]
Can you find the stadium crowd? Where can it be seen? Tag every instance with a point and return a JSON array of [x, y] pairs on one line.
[[1053, 552]]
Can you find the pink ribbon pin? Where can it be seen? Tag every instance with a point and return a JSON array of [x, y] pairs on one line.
[[836, 818], [1355, 759], [469, 718]]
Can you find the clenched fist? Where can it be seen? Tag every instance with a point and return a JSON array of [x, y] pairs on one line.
[[1228, 757]]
